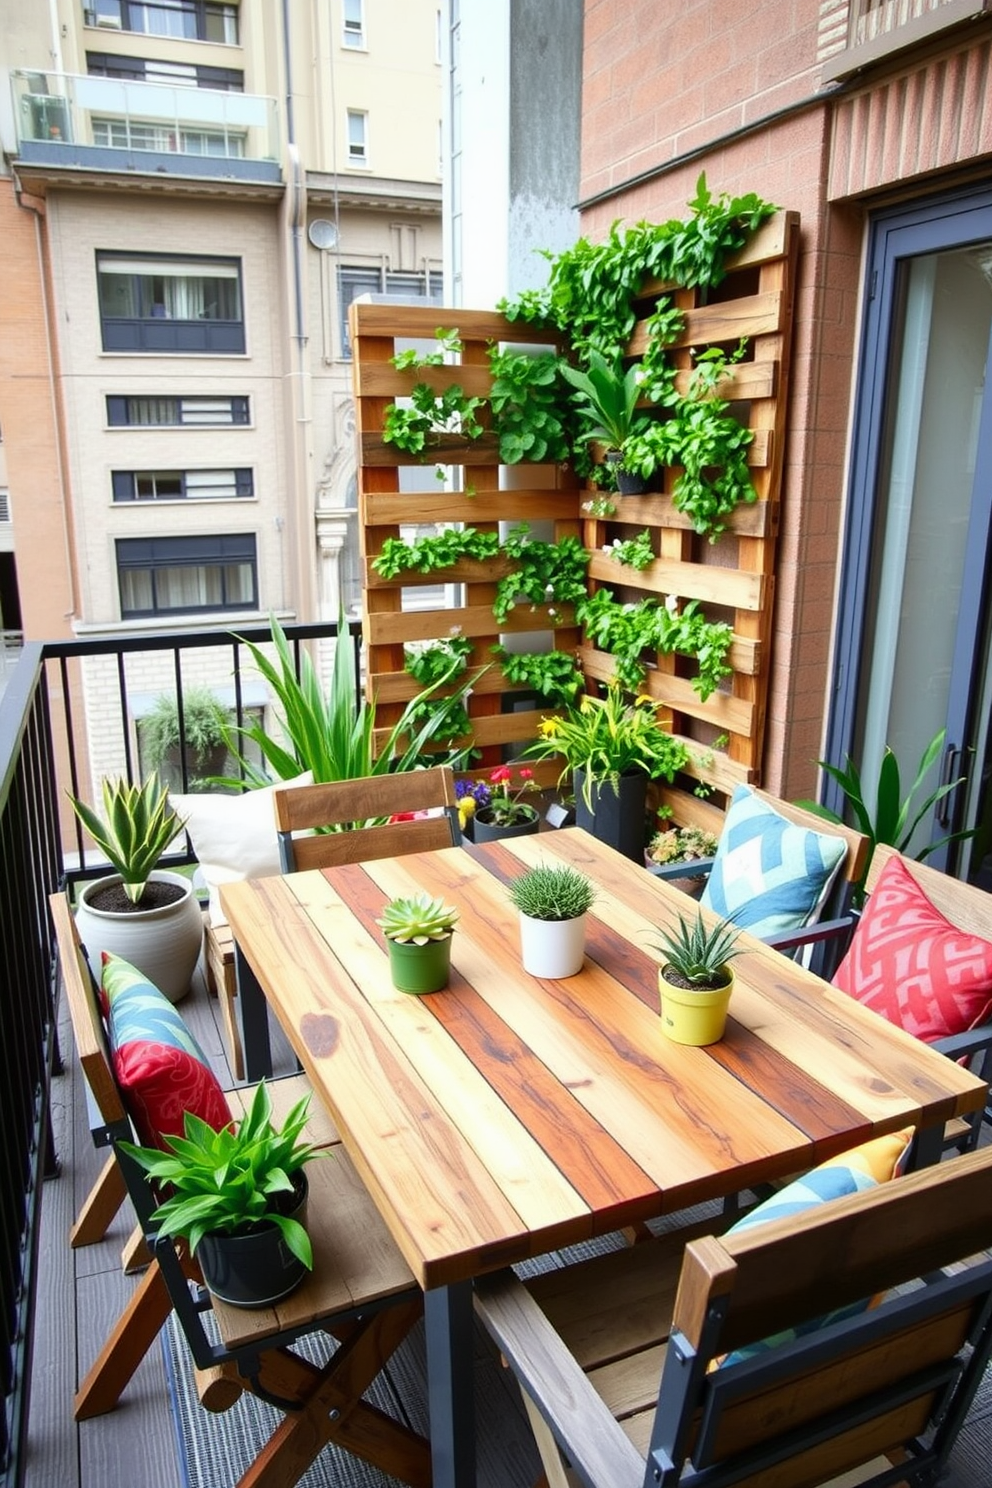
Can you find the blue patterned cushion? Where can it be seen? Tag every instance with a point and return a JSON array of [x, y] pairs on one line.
[[770, 875], [861, 1168]]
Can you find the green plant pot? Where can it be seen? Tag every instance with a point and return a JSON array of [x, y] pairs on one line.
[[256, 1269], [490, 831], [420, 968]]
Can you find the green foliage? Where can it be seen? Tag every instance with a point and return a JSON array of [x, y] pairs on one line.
[[436, 551], [699, 954], [223, 1181], [711, 446], [333, 736], [552, 892], [553, 674], [449, 344], [529, 407], [592, 288], [432, 414], [417, 919], [138, 826], [627, 631], [607, 399], [632, 552], [542, 572], [895, 817], [606, 736], [437, 661]]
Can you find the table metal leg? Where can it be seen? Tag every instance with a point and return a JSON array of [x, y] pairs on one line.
[[254, 1014], [927, 1148], [448, 1320]]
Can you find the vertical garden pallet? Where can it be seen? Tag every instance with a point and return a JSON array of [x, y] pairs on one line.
[[732, 579]]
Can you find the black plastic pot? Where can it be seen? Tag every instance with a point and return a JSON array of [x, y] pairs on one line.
[[484, 830], [256, 1268], [618, 811]]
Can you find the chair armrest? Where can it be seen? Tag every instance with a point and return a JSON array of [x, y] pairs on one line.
[[549, 1373], [692, 868], [810, 934], [958, 1045]]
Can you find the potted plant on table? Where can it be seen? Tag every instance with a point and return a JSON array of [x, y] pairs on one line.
[[553, 900], [146, 915], [612, 746], [238, 1196], [504, 812], [695, 979], [418, 931]]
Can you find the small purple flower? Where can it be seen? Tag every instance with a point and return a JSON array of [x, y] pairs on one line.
[[477, 789]]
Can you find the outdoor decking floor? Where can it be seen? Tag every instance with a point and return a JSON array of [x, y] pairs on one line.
[[82, 1292]]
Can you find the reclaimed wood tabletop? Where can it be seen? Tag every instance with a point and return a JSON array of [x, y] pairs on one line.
[[508, 1115]]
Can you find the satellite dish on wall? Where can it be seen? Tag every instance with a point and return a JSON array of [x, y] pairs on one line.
[[322, 234]]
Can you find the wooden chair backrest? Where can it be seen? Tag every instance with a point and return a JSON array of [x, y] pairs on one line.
[[758, 1282], [854, 862], [87, 1026], [344, 802], [965, 905]]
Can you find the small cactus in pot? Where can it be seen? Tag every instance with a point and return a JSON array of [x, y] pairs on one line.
[[418, 931]]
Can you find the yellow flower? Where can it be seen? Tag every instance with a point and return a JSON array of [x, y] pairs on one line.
[[466, 810], [548, 727]]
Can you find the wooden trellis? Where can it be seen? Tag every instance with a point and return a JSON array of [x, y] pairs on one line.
[[733, 579]]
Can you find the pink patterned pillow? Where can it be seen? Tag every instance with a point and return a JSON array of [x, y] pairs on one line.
[[911, 965], [160, 1068]]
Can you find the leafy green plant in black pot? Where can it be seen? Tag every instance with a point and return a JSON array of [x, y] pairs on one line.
[[205, 727]]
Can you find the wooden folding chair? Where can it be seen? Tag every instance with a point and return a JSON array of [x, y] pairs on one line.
[[374, 799], [851, 1394], [360, 1291]]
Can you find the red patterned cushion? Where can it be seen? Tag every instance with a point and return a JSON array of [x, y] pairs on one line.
[[161, 1069], [913, 966]]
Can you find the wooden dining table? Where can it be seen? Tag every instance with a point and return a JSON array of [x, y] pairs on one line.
[[508, 1116]]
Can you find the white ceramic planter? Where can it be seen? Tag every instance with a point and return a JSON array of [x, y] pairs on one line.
[[163, 943], [552, 948]]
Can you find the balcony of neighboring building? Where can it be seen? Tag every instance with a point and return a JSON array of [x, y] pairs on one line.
[[93, 123]]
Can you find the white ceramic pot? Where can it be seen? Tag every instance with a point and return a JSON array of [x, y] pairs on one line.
[[163, 943], [552, 948]]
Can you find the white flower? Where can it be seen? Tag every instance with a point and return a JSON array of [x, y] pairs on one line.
[[672, 604]]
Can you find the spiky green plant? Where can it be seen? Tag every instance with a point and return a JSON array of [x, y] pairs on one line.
[[607, 399], [698, 952], [552, 892], [417, 919], [224, 1180], [138, 828]]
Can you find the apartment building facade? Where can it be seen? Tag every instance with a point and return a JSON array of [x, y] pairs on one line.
[[873, 120], [191, 194]]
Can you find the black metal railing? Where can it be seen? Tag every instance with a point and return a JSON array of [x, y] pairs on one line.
[[52, 715]]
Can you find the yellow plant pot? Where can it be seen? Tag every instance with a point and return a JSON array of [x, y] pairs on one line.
[[694, 1017]]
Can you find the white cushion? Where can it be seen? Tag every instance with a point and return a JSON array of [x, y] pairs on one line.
[[233, 837]]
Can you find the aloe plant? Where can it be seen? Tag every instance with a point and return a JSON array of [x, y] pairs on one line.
[[224, 1180], [417, 919], [699, 953], [895, 817], [138, 828]]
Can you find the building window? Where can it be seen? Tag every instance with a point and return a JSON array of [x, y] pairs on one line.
[[130, 134], [4, 505], [188, 20], [353, 282], [182, 485], [175, 74], [174, 575], [354, 24], [358, 145], [184, 305], [171, 412]]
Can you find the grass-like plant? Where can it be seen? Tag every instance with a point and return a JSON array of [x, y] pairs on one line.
[[699, 953], [225, 1181], [139, 824], [552, 892], [334, 735], [417, 919]]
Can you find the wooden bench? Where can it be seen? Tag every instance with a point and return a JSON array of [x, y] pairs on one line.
[[361, 1289]]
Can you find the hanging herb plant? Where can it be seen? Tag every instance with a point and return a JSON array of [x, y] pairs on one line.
[[431, 414], [530, 407], [553, 674], [711, 446], [627, 631], [436, 551], [632, 552], [542, 572], [437, 661]]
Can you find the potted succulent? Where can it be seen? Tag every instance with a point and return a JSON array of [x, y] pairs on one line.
[[612, 747], [693, 846], [607, 404], [144, 914], [695, 979], [418, 933], [238, 1196], [553, 900], [504, 812]]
